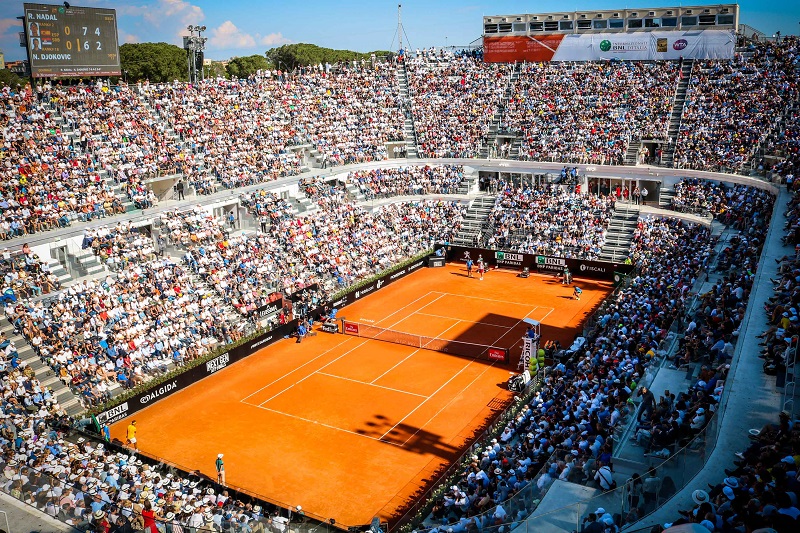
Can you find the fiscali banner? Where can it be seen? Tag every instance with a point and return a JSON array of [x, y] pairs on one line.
[[634, 46]]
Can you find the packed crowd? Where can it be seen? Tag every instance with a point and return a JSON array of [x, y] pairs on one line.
[[693, 194], [549, 221], [732, 106], [192, 226], [121, 330], [453, 104], [759, 492], [44, 182], [333, 247], [92, 487], [82, 152], [589, 112], [120, 245], [786, 145], [25, 275], [347, 115], [407, 181], [347, 243], [565, 432]]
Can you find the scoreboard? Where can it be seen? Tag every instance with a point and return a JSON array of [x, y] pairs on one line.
[[71, 41]]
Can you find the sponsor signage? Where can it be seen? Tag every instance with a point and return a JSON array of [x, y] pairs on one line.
[[543, 263], [218, 363], [270, 309], [112, 415], [350, 328], [509, 259], [637, 46], [436, 262], [496, 354], [527, 350]]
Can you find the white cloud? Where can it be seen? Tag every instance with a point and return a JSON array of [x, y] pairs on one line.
[[227, 36], [273, 39], [7, 24], [169, 17], [126, 37]]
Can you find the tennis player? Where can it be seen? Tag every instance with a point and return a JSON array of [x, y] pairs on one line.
[[469, 268], [577, 292], [481, 267], [130, 438], [220, 464]]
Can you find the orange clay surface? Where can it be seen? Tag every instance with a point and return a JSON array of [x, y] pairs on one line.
[[352, 428]]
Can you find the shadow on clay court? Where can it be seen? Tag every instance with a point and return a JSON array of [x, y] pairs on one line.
[[413, 439]]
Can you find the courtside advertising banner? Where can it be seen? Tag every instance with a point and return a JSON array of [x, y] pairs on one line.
[[635, 46], [527, 350], [544, 264]]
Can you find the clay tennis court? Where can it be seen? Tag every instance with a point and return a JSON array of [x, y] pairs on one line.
[[352, 428]]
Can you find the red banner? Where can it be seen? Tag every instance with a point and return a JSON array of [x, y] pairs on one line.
[[513, 48], [351, 328], [496, 354]]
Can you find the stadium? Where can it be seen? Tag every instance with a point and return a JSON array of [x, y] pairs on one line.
[[543, 282]]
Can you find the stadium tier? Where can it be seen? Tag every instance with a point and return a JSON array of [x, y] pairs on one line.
[[644, 211]]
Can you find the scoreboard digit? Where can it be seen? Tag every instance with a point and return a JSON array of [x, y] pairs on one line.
[[71, 41]]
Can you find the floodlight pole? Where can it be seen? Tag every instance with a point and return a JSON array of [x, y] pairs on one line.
[[400, 26]]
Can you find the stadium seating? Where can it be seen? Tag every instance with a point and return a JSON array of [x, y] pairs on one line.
[[85, 153], [589, 112], [549, 221]]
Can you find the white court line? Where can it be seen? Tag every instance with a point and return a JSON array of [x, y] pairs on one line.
[[370, 384], [394, 313], [470, 321], [325, 425], [527, 305], [325, 352], [428, 398], [311, 374], [395, 366], [295, 369], [432, 395], [495, 343], [454, 396], [548, 313]]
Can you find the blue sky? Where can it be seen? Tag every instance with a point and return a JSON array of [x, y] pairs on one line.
[[243, 27]]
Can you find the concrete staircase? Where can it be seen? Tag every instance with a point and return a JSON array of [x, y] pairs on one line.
[[474, 221], [409, 129], [620, 233], [632, 155], [675, 118], [666, 194], [468, 184], [303, 205], [44, 373], [58, 270], [86, 263], [497, 119]]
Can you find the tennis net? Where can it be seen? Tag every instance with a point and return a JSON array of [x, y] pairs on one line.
[[453, 347]]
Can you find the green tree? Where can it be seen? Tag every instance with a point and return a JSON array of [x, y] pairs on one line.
[[10, 79], [215, 70], [290, 56], [157, 62], [242, 67]]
